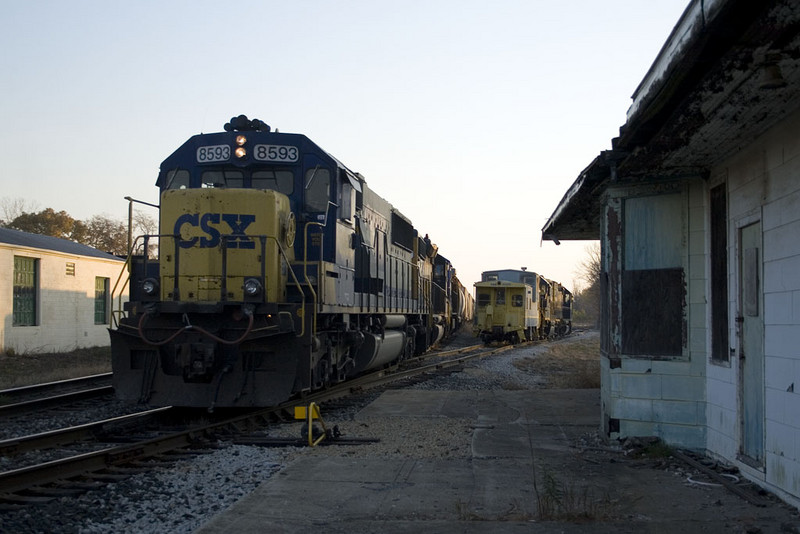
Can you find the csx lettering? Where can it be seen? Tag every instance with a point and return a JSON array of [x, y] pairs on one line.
[[209, 224]]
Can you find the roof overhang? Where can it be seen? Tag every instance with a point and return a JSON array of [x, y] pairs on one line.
[[729, 70]]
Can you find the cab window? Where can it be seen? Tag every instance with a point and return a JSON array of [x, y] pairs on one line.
[[222, 179], [280, 181], [317, 184], [178, 179], [483, 300], [500, 296], [516, 301]]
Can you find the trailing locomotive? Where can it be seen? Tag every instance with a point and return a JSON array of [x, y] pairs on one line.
[[516, 306], [279, 271]]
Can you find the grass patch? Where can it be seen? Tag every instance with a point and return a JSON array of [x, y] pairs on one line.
[[25, 369], [560, 501], [566, 364]]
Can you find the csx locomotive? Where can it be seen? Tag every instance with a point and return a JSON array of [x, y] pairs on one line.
[[516, 306], [278, 271]]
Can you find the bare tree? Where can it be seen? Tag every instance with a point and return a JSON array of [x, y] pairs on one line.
[[144, 224], [106, 234], [11, 208], [587, 299], [591, 267]]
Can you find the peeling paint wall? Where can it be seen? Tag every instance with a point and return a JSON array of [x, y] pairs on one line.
[[652, 378]]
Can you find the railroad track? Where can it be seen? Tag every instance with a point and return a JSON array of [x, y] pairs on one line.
[[37, 397], [112, 459]]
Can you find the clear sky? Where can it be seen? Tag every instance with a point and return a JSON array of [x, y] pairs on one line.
[[471, 117]]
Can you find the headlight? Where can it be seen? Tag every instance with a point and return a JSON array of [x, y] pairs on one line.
[[150, 287], [241, 140], [240, 152], [252, 287]]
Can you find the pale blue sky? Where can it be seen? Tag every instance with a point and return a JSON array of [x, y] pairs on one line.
[[472, 118]]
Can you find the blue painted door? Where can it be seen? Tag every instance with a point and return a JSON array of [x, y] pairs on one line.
[[751, 354]]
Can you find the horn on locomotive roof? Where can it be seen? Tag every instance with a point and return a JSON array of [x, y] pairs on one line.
[[243, 124]]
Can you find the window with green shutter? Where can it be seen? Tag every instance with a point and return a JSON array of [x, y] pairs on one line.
[[25, 280], [101, 300]]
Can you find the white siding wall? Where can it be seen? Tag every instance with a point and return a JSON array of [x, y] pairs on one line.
[[764, 184], [65, 303]]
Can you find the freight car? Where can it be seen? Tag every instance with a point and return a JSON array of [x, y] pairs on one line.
[[279, 271], [514, 306]]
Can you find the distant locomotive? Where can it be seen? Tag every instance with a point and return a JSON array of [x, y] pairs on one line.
[[278, 272], [517, 306]]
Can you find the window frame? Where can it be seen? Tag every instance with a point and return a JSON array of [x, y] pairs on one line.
[[101, 299], [25, 293]]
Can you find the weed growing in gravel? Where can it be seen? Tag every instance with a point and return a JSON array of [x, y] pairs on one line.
[[560, 501], [573, 365]]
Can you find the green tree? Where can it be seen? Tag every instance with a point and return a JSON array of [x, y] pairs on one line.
[[49, 222]]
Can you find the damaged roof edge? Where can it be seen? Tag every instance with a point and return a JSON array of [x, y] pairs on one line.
[[580, 191], [692, 21]]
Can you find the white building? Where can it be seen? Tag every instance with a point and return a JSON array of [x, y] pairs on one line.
[[55, 295], [697, 207]]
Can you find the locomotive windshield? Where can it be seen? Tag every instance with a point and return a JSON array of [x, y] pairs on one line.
[[281, 181], [178, 179], [317, 189], [222, 179]]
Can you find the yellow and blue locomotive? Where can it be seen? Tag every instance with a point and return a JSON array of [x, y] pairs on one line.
[[278, 271], [515, 306]]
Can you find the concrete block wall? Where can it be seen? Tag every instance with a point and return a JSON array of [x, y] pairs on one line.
[[764, 185]]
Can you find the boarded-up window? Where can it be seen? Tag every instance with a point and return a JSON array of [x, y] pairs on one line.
[[25, 280], [653, 292]]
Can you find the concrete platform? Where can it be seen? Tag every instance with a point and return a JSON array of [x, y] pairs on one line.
[[524, 475]]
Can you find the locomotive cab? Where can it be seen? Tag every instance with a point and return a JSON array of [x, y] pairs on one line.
[[505, 311]]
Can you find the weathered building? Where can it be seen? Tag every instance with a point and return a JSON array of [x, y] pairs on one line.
[[55, 295], [697, 206]]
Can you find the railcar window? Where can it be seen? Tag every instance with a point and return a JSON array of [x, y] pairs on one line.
[[317, 189], [500, 296], [222, 179], [178, 179], [516, 301], [280, 181], [483, 299]]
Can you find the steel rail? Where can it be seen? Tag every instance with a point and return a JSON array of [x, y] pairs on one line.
[[34, 389], [7, 410], [63, 436]]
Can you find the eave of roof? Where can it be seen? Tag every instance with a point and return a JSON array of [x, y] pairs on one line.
[[701, 100], [45, 242]]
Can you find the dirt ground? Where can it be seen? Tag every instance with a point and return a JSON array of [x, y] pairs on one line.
[[36, 368]]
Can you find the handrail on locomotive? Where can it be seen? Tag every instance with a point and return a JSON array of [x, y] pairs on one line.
[[119, 312]]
